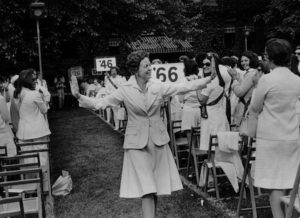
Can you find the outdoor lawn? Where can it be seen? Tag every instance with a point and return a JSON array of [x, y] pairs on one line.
[[92, 153]]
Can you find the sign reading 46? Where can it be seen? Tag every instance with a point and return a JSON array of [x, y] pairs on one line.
[[104, 64], [168, 72]]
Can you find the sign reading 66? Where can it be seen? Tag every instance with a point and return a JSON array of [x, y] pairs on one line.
[[168, 72], [104, 64]]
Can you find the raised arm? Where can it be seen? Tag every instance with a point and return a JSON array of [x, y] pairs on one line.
[[170, 89], [257, 101], [113, 99], [40, 102], [241, 88]]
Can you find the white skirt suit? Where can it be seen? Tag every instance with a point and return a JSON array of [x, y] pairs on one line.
[[277, 138], [148, 165]]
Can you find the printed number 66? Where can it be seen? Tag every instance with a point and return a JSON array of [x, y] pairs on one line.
[[172, 75]]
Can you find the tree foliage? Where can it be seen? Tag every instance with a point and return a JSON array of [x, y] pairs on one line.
[[282, 19], [82, 24]]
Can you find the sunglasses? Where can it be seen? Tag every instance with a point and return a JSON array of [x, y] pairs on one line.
[[206, 64], [259, 69], [297, 53]]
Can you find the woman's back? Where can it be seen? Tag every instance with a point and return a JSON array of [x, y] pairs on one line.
[[279, 92], [32, 123]]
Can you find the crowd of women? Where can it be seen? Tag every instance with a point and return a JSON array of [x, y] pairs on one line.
[[217, 93], [265, 87]]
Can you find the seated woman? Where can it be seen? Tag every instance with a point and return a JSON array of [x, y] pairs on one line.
[[148, 167], [213, 98]]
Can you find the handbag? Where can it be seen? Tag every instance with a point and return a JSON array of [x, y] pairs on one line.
[[248, 125]]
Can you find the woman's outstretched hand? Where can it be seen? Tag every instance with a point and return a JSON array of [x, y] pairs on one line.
[[74, 87]]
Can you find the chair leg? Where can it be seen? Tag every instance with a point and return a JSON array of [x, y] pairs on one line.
[[189, 156], [206, 178], [196, 167], [254, 212], [215, 180]]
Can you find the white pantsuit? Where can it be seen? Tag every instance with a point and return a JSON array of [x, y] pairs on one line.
[[148, 165]]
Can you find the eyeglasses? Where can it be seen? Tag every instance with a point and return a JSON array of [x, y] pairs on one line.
[[206, 64]]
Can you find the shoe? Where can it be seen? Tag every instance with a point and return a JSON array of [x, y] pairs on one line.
[[116, 129]]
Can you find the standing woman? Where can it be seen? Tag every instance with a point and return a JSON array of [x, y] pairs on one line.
[[213, 99], [60, 87], [6, 135], [243, 86], [191, 105], [149, 169], [32, 126], [277, 136]]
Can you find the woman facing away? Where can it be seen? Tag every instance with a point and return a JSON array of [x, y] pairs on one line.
[[149, 169], [191, 105], [277, 137], [31, 107]]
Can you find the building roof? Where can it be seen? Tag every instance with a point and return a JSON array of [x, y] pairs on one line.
[[160, 44]]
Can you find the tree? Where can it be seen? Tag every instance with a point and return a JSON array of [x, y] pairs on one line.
[[282, 19]]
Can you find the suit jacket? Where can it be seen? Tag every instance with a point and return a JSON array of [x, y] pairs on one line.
[[32, 123], [275, 100], [143, 110]]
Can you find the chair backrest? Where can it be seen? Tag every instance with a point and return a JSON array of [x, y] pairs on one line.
[[27, 176], [213, 144], [26, 145], [3, 151], [195, 136], [176, 125], [19, 161], [8, 200]]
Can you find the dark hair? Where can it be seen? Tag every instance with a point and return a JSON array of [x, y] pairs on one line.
[[217, 63], [294, 65], [116, 68], [25, 80], [199, 58], [264, 67], [190, 67], [228, 61], [253, 58], [279, 51], [134, 59]]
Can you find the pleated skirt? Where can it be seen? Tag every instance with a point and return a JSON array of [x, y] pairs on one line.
[[149, 170]]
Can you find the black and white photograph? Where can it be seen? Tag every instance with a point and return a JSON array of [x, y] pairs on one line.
[[150, 108]]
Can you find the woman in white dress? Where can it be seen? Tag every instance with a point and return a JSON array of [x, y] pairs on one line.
[[213, 98], [6, 134], [277, 137], [148, 167], [191, 105]]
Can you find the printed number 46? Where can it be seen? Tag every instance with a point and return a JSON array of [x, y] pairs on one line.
[[172, 75], [106, 63]]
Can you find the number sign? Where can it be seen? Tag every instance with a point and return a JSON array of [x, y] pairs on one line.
[[76, 71], [168, 72], [104, 64]]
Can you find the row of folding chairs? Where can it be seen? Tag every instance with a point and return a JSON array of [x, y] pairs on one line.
[[24, 182], [180, 145]]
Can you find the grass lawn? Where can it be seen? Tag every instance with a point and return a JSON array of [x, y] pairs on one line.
[[92, 153]]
